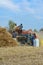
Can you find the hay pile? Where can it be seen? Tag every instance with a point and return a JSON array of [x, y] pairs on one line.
[[6, 38]]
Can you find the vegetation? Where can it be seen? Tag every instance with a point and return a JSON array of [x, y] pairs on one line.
[[41, 29], [35, 30], [11, 25]]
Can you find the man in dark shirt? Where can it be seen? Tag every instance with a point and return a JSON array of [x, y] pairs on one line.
[[20, 26]]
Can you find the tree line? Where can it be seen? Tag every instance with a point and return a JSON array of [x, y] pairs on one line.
[[12, 24]]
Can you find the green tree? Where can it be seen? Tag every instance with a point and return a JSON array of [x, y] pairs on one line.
[[35, 30], [41, 29], [11, 25]]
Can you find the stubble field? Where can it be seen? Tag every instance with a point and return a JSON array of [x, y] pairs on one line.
[[21, 55]]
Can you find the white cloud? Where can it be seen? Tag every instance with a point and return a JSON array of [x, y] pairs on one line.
[[30, 10], [25, 6], [34, 7], [37, 6], [9, 4]]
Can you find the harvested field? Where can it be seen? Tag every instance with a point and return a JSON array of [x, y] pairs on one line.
[[21, 55], [18, 55]]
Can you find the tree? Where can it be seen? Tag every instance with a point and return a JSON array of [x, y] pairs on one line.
[[41, 29], [11, 25], [35, 30]]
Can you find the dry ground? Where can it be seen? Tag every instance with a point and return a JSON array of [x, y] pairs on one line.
[[21, 55]]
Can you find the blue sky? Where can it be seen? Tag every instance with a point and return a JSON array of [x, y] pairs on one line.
[[27, 12]]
